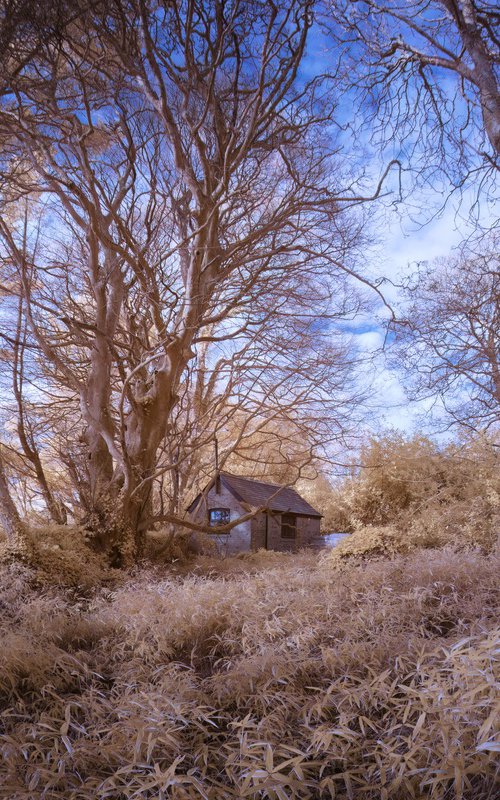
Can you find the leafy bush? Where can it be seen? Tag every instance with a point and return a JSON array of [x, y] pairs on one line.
[[410, 494], [294, 681], [61, 555]]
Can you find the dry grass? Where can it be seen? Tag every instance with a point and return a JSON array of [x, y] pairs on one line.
[[296, 680]]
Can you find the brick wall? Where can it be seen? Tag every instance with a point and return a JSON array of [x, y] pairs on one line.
[[251, 535], [307, 529], [238, 540]]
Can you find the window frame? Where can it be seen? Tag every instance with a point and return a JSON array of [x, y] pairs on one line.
[[215, 523], [286, 524]]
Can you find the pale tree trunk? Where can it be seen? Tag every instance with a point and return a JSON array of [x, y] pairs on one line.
[[147, 423], [465, 15], [103, 516], [147, 426], [16, 532], [56, 510], [121, 475], [121, 463]]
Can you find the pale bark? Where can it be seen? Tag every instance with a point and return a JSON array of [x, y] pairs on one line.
[[202, 190], [426, 75], [16, 531], [464, 13]]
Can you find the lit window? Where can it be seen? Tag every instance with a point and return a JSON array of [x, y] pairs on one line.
[[219, 516], [288, 526]]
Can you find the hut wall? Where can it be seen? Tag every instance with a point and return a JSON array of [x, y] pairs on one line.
[[238, 540]]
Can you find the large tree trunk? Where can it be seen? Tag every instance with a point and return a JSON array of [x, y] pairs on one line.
[[466, 19], [147, 423], [121, 510], [103, 515], [118, 523]]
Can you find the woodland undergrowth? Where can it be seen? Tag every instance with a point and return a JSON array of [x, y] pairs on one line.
[[268, 676]]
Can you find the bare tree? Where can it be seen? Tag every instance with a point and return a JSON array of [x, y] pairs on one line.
[[26, 27], [17, 372], [449, 336], [273, 397], [427, 76], [184, 170]]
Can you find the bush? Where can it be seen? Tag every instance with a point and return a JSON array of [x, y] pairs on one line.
[[410, 494], [62, 556], [167, 546]]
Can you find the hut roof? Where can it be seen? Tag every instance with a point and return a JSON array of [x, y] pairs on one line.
[[258, 494]]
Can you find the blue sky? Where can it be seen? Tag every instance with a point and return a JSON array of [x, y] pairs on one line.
[[401, 246], [416, 231]]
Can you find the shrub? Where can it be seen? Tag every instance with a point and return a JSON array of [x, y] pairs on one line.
[[62, 556], [410, 494], [166, 546]]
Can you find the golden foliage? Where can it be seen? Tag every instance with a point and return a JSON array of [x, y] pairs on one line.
[[411, 494], [293, 681], [60, 555]]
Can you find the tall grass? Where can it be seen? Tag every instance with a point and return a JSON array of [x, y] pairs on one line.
[[297, 680]]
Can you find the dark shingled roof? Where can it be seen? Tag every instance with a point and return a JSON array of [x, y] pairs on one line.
[[269, 495]]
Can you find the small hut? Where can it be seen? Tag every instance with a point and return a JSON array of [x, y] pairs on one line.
[[282, 519]]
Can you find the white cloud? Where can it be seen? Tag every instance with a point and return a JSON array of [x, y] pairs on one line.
[[369, 341], [400, 246]]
